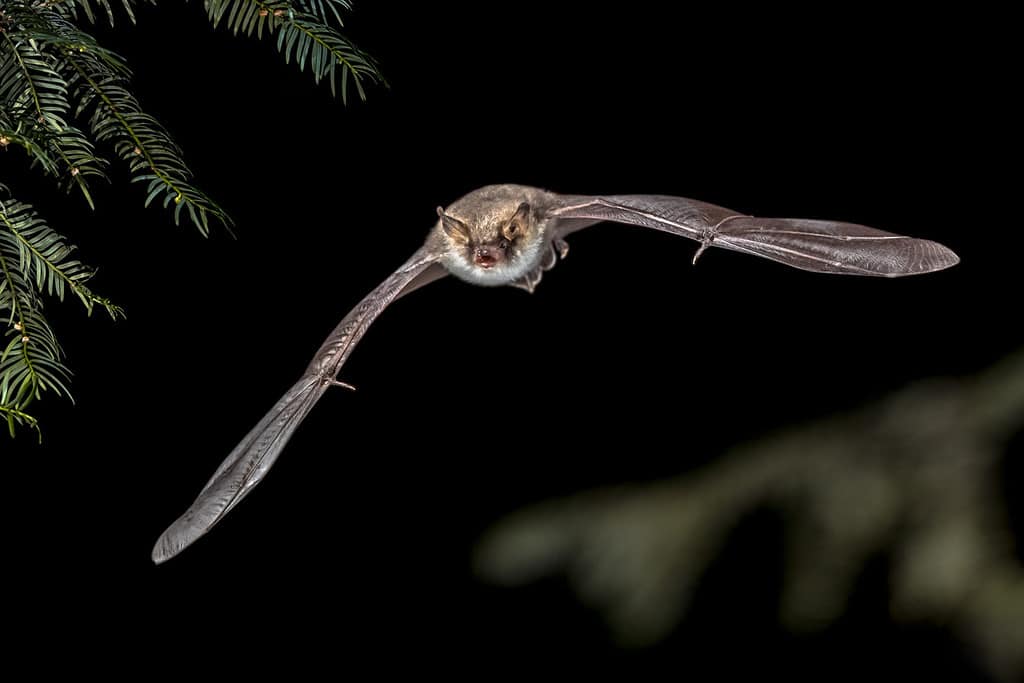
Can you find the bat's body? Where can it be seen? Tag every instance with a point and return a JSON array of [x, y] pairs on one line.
[[510, 235]]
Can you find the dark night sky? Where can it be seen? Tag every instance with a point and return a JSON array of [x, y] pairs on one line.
[[639, 365]]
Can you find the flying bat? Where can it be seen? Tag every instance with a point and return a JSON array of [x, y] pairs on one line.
[[510, 235]]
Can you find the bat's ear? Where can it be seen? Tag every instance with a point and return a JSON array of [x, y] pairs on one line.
[[517, 225], [453, 227]]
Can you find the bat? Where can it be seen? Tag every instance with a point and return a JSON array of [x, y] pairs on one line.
[[510, 235]]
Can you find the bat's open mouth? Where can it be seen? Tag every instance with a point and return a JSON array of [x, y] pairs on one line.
[[485, 259]]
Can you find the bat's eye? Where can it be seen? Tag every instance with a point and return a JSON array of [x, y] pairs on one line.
[[503, 245]]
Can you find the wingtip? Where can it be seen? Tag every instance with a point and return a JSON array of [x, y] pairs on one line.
[[942, 258], [173, 540], [163, 550], [932, 257]]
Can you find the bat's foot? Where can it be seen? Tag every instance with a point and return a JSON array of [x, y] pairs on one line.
[[708, 235], [704, 244], [339, 383], [562, 246], [528, 282]]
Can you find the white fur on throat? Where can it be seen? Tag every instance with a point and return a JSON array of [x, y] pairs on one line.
[[504, 273]]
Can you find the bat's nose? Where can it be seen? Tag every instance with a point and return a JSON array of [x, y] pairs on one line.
[[485, 257]]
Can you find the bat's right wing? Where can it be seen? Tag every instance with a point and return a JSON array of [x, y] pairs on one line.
[[815, 245], [254, 456]]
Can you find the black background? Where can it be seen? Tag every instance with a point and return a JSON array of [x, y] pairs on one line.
[[627, 364]]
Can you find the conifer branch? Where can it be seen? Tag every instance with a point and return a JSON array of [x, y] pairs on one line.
[[62, 96]]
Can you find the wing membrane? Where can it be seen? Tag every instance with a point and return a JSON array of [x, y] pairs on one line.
[[819, 246], [249, 462], [831, 247]]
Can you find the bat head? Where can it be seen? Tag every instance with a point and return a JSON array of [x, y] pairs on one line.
[[489, 243], [491, 240]]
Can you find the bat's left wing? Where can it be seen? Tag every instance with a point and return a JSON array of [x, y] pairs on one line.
[[815, 245], [247, 464]]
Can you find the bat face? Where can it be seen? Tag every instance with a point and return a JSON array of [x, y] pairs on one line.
[[493, 236]]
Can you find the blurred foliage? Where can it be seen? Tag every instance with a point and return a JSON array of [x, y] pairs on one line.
[[914, 478]]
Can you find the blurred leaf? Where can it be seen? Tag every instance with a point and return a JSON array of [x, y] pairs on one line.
[[914, 477]]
